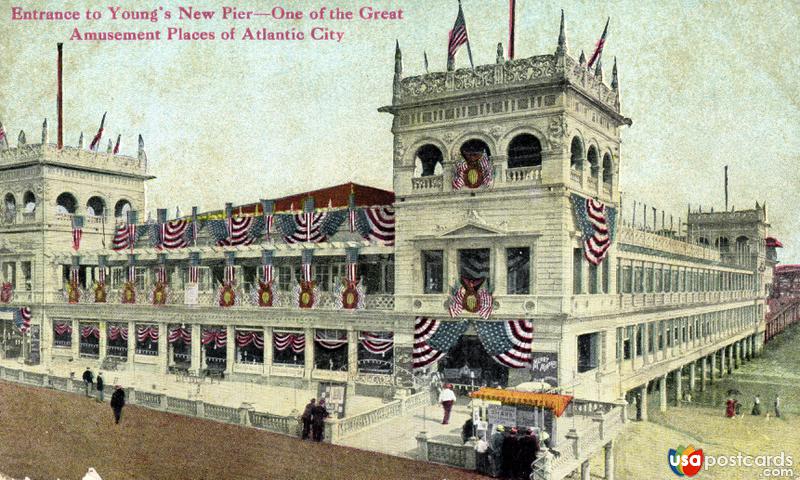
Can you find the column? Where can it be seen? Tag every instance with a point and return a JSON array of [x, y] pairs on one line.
[[268, 351], [735, 347], [608, 450], [642, 410], [692, 368], [678, 385], [195, 348], [645, 343], [76, 339], [230, 350], [500, 286], [102, 341], [713, 367], [352, 353], [309, 357], [131, 344], [163, 348], [722, 362], [662, 391], [703, 374], [585, 470]]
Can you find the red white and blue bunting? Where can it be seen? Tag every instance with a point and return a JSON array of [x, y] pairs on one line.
[[376, 224], [174, 234], [330, 340], [474, 171], [147, 332], [62, 328], [90, 331], [233, 231], [116, 332], [508, 342], [245, 338], [377, 342], [596, 222], [433, 338], [310, 227], [179, 334], [473, 296], [22, 318], [216, 337], [295, 341]]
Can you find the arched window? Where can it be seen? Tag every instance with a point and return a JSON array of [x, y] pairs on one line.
[[743, 248], [608, 169], [475, 146], [427, 159], [703, 241], [66, 203], [122, 208], [576, 154], [525, 150], [722, 244], [10, 202], [29, 200], [96, 207], [594, 164]]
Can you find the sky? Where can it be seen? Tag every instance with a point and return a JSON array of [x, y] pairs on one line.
[[707, 84]]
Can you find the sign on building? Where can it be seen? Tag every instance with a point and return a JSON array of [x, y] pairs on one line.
[[334, 395], [191, 294], [33, 358], [544, 367], [502, 415]]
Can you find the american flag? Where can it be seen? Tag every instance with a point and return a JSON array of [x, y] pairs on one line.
[[194, 274], [121, 240], [598, 50], [74, 274], [131, 235], [508, 342], [596, 221], [230, 274], [458, 37], [377, 224], [232, 231], [131, 273], [77, 232], [306, 271], [96, 140], [101, 274], [267, 273], [161, 274], [352, 272]]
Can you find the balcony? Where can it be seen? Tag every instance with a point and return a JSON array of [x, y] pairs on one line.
[[246, 297], [432, 183], [524, 174]]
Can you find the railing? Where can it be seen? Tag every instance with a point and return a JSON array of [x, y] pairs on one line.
[[223, 414], [146, 351], [591, 183], [273, 423], [431, 182], [117, 351], [575, 176], [62, 343], [179, 405], [148, 399], [524, 174]]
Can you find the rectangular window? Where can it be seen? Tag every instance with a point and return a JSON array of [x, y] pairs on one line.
[[371, 273], [587, 352], [433, 270], [592, 278], [648, 276], [9, 273], [661, 335], [658, 277], [577, 271], [639, 340], [27, 276], [638, 280], [389, 276], [284, 277], [473, 263], [626, 344], [651, 328], [626, 279], [322, 275], [606, 275], [518, 271]]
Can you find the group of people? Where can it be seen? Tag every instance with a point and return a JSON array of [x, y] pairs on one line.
[[117, 398], [512, 452], [313, 418], [733, 407]]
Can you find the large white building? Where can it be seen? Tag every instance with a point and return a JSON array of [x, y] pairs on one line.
[[654, 301]]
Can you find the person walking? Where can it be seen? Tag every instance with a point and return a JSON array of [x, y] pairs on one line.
[[319, 413], [496, 450], [87, 379], [510, 449], [117, 402], [307, 417], [528, 450], [100, 385], [756, 406], [447, 398], [777, 406]]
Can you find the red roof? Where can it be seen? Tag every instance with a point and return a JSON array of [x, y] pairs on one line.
[[330, 197], [773, 242]]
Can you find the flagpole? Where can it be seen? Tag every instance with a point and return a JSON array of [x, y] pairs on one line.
[[511, 21], [469, 49]]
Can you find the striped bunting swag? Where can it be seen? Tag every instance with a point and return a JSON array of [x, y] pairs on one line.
[[433, 338], [295, 341], [596, 222], [232, 231], [179, 334], [377, 342], [174, 234], [508, 342], [330, 339], [22, 317], [376, 224]]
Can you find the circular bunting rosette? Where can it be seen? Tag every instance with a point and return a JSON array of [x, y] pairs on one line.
[[306, 299], [99, 293], [6, 292], [227, 296], [159, 294], [350, 296], [265, 297], [128, 293], [73, 293]]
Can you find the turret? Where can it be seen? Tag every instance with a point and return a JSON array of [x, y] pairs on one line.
[[598, 70], [21, 142], [582, 60], [562, 48], [614, 78], [80, 141], [44, 132], [398, 72], [140, 154]]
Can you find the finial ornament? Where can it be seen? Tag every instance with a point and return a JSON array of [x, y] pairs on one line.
[[80, 141], [21, 141], [562, 48], [582, 60], [614, 77], [500, 58], [598, 70]]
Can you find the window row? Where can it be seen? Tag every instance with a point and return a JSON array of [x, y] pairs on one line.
[[642, 277], [474, 264]]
